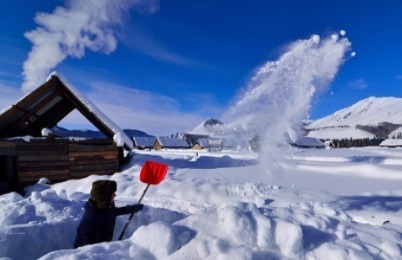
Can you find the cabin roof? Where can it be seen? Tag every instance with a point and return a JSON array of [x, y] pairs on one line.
[[391, 142], [144, 141], [47, 105], [306, 141], [210, 142], [173, 142]]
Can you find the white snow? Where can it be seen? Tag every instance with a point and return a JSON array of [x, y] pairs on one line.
[[372, 111], [340, 133], [391, 142], [397, 132], [46, 132], [319, 204], [369, 111], [285, 203]]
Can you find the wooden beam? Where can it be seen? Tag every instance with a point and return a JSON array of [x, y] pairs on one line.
[[19, 125], [93, 153], [32, 158]]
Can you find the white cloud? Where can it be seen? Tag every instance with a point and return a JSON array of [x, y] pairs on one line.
[[358, 84], [69, 30], [139, 41], [142, 110]]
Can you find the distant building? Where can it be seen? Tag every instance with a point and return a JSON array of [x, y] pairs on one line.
[[193, 139], [170, 143], [308, 142], [208, 143], [141, 142], [391, 143], [329, 144], [255, 143]]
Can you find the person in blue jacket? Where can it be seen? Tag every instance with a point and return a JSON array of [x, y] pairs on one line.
[[97, 223]]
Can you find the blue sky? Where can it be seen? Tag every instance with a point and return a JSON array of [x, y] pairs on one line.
[[165, 66]]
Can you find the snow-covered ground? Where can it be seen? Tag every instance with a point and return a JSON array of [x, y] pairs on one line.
[[315, 204]]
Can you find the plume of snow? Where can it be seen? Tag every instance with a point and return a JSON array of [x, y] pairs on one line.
[[279, 94], [71, 29]]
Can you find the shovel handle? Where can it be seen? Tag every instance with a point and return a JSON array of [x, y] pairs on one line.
[[132, 214], [143, 193]]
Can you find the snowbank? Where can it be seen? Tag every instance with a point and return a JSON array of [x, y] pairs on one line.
[[223, 206]]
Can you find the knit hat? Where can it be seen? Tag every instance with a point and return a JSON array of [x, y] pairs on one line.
[[102, 191]]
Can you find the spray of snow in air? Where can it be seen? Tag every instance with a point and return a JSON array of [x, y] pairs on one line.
[[69, 30], [279, 94]]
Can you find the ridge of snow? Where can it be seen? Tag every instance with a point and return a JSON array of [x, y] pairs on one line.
[[323, 204], [209, 127], [369, 111]]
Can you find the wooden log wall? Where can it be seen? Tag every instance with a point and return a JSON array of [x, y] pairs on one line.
[[8, 178], [7, 149], [58, 159], [43, 158], [88, 158]]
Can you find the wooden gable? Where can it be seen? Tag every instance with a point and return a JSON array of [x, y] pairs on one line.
[[45, 107], [26, 156]]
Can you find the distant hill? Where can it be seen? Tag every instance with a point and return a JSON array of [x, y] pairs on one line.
[[133, 132], [60, 131], [368, 118], [209, 127]]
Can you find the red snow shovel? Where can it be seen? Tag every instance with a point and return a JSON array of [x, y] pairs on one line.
[[151, 173]]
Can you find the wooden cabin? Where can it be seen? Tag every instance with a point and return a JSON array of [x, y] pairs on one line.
[[209, 143], [193, 139], [144, 142], [255, 143], [391, 143], [308, 142], [170, 143], [26, 156]]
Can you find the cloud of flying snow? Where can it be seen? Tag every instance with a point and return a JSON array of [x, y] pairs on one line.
[[279, 94]]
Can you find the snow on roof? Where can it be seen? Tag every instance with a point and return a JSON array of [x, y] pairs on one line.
[[210, 142], [203, 142], [120, 137], [395, 133], [391, 142], [144, 141], [173, 142], [309, 142], [4, 110], [340, 133]]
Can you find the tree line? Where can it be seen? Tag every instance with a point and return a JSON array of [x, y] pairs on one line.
[[352, 142]]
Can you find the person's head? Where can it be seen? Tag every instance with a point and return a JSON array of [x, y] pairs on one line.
[[103, 192]]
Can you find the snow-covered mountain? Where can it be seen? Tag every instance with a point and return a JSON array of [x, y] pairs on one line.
[[209, 127], [368, 118]]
